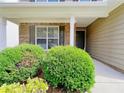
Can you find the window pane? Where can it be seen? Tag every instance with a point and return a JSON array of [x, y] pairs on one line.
[[68, 0], [42, 43], [41, 32], [41, 0], [53, 32], [52, 0], [32, 0], [85, 0], [52, 43]]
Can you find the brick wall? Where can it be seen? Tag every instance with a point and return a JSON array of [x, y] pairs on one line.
[[67, 34], [24, 31]]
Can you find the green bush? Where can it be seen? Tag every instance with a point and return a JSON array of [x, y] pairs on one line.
[[19, 63], [36, 85], [70, 68]]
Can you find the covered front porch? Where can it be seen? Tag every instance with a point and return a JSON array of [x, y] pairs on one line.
[[46, 34], [72, 19]]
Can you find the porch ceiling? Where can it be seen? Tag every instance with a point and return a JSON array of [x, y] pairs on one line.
[[81, 22]]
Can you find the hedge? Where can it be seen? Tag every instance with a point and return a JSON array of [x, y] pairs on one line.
[[70, 68], [19, 63]]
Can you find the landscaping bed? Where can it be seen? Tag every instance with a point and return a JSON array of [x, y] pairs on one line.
[[66, 69]]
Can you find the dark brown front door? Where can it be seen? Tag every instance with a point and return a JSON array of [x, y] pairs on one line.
[[80, 39]]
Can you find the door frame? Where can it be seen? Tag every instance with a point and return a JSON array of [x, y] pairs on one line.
[[85, 37]]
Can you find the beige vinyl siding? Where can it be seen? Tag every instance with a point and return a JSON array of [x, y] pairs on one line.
[[105, 38]]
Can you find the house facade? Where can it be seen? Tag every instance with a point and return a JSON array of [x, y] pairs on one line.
[[81, 23], [50, 23]]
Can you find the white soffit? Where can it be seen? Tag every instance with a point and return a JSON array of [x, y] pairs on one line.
[[84, 22]]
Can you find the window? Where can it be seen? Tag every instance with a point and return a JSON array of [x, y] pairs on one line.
[[47, 36], [52, 0], [44, 0], [40, 0]]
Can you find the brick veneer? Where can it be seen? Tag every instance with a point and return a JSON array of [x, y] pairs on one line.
[[24, 31]]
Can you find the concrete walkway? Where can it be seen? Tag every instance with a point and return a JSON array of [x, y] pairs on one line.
[[108, 80]]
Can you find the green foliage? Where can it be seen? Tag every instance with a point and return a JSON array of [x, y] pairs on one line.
[[36, 85], [19, 63], [70, 68], [13, 88]]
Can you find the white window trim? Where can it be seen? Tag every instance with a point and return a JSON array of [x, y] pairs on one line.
[[46, 34]]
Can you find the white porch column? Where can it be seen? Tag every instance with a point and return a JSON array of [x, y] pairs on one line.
[[2, 33], [12, 30], [72, 29]]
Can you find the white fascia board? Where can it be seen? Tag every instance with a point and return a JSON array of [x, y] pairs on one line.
[[50, 4], [59, 12]]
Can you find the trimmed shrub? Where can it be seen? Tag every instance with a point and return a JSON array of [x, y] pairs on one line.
[[36, 85], [70, 68], [19, 63]]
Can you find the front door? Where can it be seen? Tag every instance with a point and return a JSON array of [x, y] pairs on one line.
[[80, 39]]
